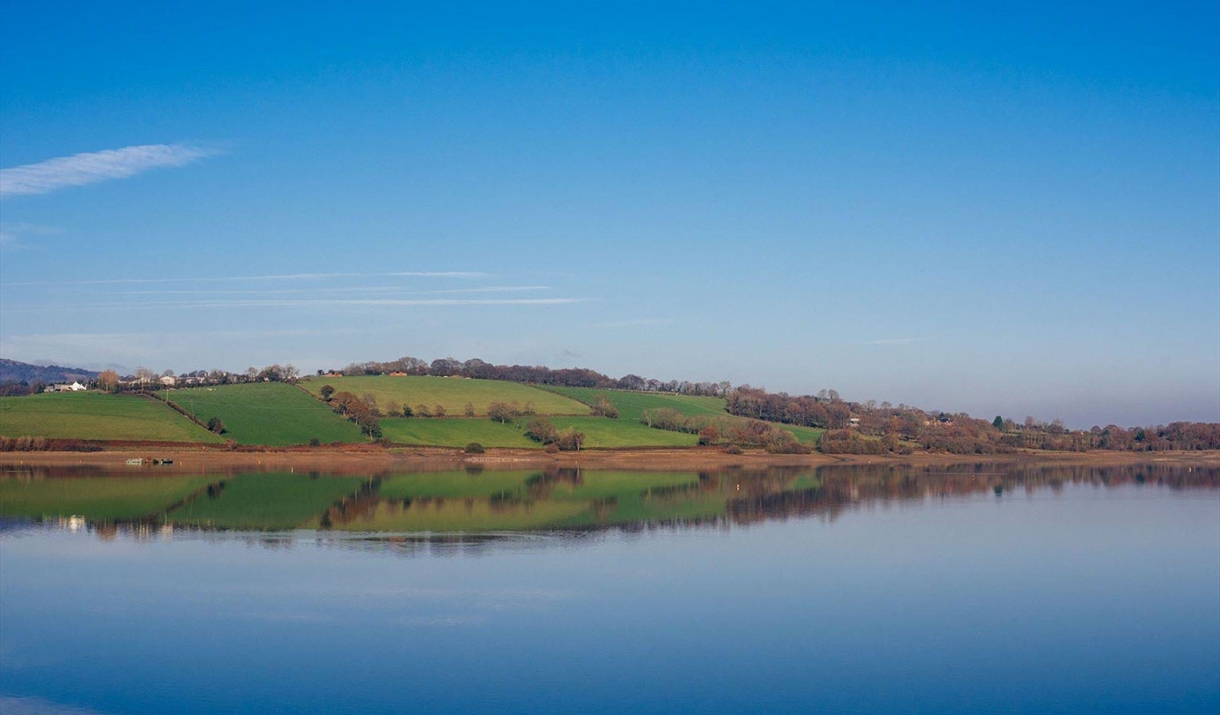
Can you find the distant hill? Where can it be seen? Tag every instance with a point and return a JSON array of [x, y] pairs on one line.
[[13, 371]]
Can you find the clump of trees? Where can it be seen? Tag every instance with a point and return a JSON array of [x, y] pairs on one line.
[[358, 411], [24, 444], [216, 426], [711, 430], [603, 407], [509, 411], [542, 431]]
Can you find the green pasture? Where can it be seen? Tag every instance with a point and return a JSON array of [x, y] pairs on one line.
[[272, 501], [270, 413], [97, 415], [454, 432], [95, 498], [603, 433], [631, 405], [451, 392], [600, 432], [808, 435]]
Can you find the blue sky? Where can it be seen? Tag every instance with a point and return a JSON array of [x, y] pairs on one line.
[[1010, 210]]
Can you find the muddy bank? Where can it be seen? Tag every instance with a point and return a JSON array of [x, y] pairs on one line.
[[438, 459]]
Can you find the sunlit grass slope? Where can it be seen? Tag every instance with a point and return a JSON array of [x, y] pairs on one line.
[[455, 432], [95, 498], [451, 393], [270, 413], [96, 415], [631, 405], [604, 433]]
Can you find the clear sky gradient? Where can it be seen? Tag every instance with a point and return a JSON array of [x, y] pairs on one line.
[[1003, 210]]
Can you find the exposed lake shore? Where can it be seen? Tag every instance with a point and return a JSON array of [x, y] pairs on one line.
[[425, 458]]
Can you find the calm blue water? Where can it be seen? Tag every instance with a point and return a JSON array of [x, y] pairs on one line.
[[1056, 597]]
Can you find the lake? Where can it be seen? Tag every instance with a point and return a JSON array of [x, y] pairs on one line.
[[989, 588]]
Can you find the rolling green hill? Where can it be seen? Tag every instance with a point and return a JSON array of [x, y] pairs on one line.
[[632, 404], [270, 413], [97, 415], [453, 393]]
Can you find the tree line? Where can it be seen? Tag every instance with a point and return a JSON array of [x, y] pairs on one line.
[[530, 374]]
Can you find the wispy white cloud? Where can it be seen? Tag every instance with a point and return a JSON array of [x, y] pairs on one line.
[[11, 233], [273, 277], [341, 290], [298, 303], [898, 341], [92, 167]]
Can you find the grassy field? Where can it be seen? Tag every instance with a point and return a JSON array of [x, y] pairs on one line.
[[632, 404], [272, 501], [96, 415], [454, 432], [452, 393], [96, 499], [602, 433], [270, 413], [808, 435]]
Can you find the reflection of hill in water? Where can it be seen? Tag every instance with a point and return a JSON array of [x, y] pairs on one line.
[[435, 509]]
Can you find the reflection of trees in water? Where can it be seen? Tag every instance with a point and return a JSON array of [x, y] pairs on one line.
[[733, 496], [848, 486]]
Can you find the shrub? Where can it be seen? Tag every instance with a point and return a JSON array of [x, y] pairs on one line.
[[732, 449], [570, 440], [474, 448], [709, 435], [326, 392], [499, 412], [541, 430], [315, 442], [552, 448], [216, 426]]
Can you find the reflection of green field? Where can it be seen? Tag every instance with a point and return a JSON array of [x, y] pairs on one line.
[[451, 432], [603, 485], [632, 404], [452, 393], [454, 484], [690, 504], [267, 413], [466, 515], [97, 415], [266, 501], [100, 498], [601, 432]]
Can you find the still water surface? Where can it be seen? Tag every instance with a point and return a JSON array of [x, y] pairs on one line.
[[981, 588]]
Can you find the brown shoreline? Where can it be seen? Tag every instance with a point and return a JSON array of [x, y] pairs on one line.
[[436, 458]]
